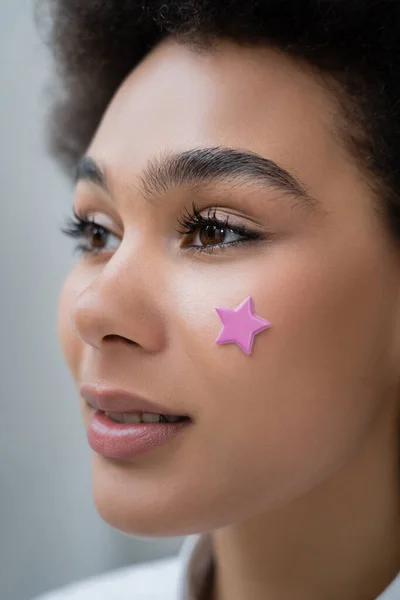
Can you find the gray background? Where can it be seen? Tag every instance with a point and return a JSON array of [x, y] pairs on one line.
[[50, 531]]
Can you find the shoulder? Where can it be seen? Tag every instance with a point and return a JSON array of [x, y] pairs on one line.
[[153, 580]]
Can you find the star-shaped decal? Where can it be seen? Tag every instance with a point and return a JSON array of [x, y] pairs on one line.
[[240, 325]]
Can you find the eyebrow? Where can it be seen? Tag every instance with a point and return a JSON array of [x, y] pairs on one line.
[[204, 166]]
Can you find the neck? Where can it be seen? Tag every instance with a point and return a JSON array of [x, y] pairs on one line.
[[340, 541]]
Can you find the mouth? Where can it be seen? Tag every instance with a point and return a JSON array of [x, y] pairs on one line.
[[129, 417], [123, 425], [126, 436], [125, 407]]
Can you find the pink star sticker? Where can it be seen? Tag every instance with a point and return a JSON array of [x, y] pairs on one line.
[[240, 325]]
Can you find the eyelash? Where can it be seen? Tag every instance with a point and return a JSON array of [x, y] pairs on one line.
[[77, 228], [193, 221]]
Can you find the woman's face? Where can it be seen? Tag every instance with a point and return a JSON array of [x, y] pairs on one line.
[[269, 425]]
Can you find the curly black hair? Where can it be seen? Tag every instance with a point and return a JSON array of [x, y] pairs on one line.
[[354, 44]]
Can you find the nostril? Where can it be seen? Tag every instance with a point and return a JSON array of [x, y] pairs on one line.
[[114, 338]]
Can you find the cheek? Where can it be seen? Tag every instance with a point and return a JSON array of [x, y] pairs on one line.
[[290, 413]]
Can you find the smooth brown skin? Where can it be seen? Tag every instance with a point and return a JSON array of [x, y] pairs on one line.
[[292, 459]]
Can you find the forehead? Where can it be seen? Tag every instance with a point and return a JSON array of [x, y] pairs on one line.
[[257, 99]]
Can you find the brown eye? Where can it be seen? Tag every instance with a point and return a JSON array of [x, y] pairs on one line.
[[97, 236], [206, 233], [211, 234], [92, 236]]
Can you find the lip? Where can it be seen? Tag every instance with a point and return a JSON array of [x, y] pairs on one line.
[[115, 400], [127, 441]]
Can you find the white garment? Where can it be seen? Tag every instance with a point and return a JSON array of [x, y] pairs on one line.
[[176, 578], [179, 578]]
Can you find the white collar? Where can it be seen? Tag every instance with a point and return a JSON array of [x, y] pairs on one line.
[[196, 563]]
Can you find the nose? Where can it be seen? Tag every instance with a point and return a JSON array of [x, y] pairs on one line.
[[121, 302]]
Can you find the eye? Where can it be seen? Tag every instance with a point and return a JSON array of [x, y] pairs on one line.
[[211, 233], [93, 237], [215, 234], [207, 234]]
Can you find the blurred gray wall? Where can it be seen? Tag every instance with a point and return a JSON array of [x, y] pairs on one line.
[[50, 532]]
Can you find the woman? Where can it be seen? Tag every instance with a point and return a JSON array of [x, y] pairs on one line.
[[232, 322]]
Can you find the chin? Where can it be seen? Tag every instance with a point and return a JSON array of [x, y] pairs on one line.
[[135, 504], [133, 522], [144, 521]]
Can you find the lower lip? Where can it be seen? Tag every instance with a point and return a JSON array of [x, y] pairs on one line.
[[128, 440]]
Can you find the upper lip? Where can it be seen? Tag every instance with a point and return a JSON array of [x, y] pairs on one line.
[[116, 400]]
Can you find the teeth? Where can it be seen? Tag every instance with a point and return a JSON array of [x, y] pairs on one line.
[[124, 417], [141, 417], [150, 418]]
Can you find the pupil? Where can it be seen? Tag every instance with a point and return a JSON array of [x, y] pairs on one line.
[[97, 235], [212, 235]]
